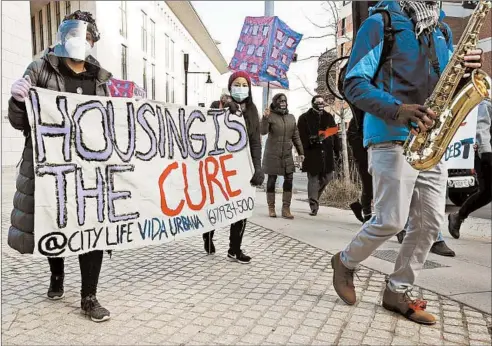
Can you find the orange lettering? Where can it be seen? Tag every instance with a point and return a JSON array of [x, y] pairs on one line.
[[211, 177], [192, 206], [226, 174], [164, 207]]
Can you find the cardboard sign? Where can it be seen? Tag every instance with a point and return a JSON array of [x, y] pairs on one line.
[[460, 153], [117, 174], [265, 49]]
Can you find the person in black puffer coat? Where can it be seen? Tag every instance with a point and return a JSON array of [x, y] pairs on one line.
[[64, 75]]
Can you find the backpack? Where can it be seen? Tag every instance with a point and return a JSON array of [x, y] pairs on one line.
[[357, 121]]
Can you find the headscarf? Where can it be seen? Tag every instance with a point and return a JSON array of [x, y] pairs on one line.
[[274, 106]]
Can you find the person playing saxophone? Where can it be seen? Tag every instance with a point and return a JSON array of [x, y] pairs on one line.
[[392, 99]]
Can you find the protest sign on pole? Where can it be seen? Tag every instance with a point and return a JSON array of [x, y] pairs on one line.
[[115, 173], [125, 88], [265, 50]]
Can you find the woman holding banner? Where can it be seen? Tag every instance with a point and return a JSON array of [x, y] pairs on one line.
[[281, 128], [240, 89], [68, 67]]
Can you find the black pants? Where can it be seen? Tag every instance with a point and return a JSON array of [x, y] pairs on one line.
[[235, 236], [362, 162], [288, 182], [90, 268], [484, 194]]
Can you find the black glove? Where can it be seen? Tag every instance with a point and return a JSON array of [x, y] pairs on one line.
[[233, 107], [258, 177], [416, 114]]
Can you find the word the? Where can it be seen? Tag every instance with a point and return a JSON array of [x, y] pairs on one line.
[[230, 211]]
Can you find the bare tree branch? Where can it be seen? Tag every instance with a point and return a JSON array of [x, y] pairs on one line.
[[308, 58], [317, 37], [304, 85]]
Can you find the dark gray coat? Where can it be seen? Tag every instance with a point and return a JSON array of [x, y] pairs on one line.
[[282, 134], [44, 73]]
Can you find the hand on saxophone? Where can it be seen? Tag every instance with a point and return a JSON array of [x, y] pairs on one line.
[[415, 115], [473, 58]]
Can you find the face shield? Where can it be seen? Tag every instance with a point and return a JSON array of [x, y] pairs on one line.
[[73, 40]]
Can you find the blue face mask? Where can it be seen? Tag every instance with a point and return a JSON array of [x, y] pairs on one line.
[[239, 93]]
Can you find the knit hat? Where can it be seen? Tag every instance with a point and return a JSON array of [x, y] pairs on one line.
[[238, 74]]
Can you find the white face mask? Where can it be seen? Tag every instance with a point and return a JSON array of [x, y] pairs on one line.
[[239, 93], [78, 48]]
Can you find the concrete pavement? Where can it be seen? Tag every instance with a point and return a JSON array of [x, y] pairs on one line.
[[466, 277], [174, 294]]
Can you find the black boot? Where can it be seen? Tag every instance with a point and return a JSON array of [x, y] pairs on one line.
[[56, 290], [400, 236], [235, 239], [454, 225], [440, 248], [357, 210], [208, 242], [90, 268]]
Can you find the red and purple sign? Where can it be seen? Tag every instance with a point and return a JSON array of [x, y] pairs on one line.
[[125, 88], [265, 50]]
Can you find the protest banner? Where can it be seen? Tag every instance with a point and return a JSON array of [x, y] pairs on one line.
[[265, 50], [125, 88], [114, 173], [460, 153]]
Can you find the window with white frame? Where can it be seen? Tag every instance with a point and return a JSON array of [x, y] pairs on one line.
[[57, 14], [33, 35], [49, 22], [152, 38], [41, 31], [166, 51], [144, 79], [123, 29], [153, 81], [144, 31], [124, 62]]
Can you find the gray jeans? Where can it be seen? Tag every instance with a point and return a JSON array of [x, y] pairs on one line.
[[401, 193], [316, 185]]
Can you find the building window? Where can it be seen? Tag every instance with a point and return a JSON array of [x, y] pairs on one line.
[[172, 90], [123, 18], [172, 55], [166, 51], [153, 82], [33, 34], [144, 31], [41, 31], [344, 23], [152, 38], [124, 66], [145, 74], [68, 7], [167, 87], [57, 14], [50, 33]]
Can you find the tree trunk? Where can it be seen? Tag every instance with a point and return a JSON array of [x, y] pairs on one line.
[[346, 172]]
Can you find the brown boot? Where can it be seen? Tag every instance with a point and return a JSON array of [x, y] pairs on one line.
[[286, 199], [271, 204], [343, 280], [411, 309]]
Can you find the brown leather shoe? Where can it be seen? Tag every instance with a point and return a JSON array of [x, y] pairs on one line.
[[401, 303], [271, 204], [343, 280], [286, 199]]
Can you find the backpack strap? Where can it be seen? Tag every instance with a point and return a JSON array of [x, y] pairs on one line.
[[388, 40]]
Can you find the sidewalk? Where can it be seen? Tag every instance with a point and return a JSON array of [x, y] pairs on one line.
[[174, 294], [466, 277]]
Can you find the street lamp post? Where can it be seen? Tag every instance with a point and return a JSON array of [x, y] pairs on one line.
[[186, 65]]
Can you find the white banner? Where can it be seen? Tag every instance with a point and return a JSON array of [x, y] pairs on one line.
[[114, 173], [460, 153]]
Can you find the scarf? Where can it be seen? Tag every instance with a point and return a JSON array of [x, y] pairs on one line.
[[424, 14]]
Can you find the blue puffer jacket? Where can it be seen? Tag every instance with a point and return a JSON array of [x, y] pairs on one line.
[[406, 77]]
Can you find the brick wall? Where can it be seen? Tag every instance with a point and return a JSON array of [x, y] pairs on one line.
[[16, 55]]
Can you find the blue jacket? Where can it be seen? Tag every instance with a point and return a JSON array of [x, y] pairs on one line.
[[406, 77]]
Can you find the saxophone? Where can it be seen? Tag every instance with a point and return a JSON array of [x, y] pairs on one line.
[[425, 150]]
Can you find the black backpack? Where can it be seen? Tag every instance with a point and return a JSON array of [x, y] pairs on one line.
[[357, 121]]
